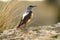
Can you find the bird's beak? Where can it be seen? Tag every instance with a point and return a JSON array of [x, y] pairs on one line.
[[33, 6]]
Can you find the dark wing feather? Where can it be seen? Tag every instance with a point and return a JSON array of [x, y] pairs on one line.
[[27, 17]]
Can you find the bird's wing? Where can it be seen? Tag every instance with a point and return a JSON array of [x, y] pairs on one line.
[[24, 15]]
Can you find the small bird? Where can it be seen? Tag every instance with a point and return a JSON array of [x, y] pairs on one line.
[[26, 16]]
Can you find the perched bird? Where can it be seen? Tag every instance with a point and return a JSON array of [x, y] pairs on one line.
[[26, 16]]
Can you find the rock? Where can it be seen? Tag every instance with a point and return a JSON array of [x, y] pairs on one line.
[[31, 34]]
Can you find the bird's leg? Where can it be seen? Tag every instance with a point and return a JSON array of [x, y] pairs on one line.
[[28, 22], [25, 29], [25, 26]]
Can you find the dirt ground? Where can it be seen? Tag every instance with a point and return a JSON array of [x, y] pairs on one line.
[[49, 32]]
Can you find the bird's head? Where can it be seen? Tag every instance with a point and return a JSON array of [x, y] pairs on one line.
[[30, 7]]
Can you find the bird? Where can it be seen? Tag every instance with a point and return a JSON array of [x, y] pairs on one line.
[[25, 19]]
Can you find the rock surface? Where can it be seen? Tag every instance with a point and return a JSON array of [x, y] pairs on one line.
[[50, 32]]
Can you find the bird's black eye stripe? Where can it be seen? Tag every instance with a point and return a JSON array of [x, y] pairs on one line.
[[31, 6]]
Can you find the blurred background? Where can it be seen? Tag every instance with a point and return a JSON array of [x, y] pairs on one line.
[[47, 12]]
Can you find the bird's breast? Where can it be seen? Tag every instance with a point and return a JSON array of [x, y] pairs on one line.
[[31, 15]]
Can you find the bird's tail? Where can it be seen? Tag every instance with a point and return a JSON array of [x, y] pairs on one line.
[[19, 24]]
